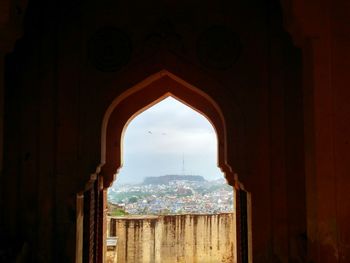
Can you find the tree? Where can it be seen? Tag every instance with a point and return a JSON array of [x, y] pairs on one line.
[[133, 199]]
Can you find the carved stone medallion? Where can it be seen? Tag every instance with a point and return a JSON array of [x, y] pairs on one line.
[[109, 49], [218, 47]]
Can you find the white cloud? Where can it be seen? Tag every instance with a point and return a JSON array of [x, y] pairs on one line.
[[156, 139]]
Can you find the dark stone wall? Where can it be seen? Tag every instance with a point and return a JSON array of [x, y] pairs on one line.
[[75, 58]]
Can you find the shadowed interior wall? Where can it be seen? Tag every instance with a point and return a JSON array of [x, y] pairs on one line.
[[176, 238], [291, 148], [57, 93]]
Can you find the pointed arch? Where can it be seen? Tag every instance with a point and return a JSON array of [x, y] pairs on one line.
[[143, 96]]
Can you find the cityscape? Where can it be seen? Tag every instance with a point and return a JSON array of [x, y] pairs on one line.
[[171, 195]]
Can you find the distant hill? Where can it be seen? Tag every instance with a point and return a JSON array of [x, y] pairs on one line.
[[165, 179]]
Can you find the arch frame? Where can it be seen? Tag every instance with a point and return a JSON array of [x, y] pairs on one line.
[[144, 95], [118, 115]]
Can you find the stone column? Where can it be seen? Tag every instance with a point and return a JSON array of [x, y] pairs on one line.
[[8, 36], [9, 33], [2, 84], [7, 40]]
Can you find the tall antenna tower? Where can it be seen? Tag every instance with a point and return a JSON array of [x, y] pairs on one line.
[[183, 164]]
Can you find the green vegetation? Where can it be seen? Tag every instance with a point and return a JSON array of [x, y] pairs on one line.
[[165, 211], [121, 197], [118, 212], [133, 199]]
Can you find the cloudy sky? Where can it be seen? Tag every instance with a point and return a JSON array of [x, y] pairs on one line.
[[158, 140]]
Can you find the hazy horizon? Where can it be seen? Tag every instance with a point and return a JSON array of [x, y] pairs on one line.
[[169, 138], [140, 183]]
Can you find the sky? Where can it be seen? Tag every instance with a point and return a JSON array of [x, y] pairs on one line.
[[168, 138]]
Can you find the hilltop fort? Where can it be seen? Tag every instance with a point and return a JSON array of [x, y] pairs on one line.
[[165, 179]]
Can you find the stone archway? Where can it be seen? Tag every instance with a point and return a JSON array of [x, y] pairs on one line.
[[144, 95], [121, 111]]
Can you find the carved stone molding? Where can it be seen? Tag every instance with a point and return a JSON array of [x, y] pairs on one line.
[[306, 19], [8, 38], [11, 13]]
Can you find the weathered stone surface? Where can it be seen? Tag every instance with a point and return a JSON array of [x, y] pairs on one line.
[[176, 238]]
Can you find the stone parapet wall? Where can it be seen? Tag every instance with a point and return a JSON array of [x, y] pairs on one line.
[[176, 238]]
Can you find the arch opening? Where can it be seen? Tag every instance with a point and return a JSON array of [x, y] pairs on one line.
[[93, 203], [177, 126], [155, 186], [143, 96]]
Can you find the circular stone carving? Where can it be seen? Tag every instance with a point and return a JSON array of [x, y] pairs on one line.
[[109, 49], [218, 47]]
